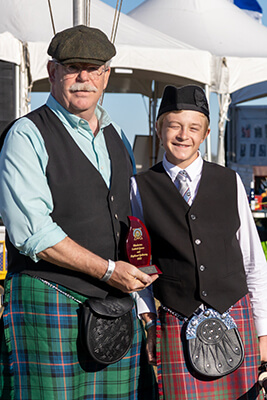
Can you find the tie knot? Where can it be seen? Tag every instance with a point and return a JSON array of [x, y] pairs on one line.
[[183, 185], [182, 175]]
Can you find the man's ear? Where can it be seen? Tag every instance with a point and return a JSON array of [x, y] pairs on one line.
[[51, 69], [107, 74]]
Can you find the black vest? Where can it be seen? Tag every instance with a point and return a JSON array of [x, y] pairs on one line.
[[91, 214], [195, 247]]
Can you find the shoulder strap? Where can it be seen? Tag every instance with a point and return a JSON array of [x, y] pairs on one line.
[[129, 149]]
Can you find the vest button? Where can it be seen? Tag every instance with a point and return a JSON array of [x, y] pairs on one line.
[[116, 216], [112, 198], [118, 234], [202, 268], [193, 217], [197, 241], [204, 293]]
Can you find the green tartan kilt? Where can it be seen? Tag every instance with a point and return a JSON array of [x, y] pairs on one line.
[[40, 359]]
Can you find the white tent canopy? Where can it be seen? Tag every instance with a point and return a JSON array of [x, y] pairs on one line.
[[214, 25], [144, 55], [139, 48], [237, 42], [11, 49]]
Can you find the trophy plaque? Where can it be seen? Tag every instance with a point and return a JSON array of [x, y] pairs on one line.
[[138, 247]]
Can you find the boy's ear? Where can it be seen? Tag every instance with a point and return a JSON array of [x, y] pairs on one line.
[[207, 133], [157, 130]]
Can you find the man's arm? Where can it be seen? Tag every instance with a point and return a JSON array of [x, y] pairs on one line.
[[25, 198], [68, 254], [26, 211]]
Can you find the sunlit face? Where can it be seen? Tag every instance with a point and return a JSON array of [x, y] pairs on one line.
[[181, 134], [77, 92]]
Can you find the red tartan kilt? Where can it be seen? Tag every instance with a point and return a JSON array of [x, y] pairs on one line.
[[177, 383]]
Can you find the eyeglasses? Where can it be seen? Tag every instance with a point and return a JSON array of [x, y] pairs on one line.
[[75, 69]]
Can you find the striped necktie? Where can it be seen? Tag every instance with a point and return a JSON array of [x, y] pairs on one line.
[[183, 185]]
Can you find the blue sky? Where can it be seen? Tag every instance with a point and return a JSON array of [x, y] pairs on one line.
[[127, 5], [130, 111]]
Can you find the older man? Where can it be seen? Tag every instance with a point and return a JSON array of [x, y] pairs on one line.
[[65, 171]]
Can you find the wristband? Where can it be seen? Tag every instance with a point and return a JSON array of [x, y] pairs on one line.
[[109, 271], [150, 323]]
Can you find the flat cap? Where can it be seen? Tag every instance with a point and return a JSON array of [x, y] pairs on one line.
[[189, 97], [81, 44]]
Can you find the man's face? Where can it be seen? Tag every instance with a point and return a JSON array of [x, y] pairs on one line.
[[181, 134], [78, 86]]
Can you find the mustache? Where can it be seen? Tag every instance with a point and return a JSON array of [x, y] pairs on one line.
[[84, 87]]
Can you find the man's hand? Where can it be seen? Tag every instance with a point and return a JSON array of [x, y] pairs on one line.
[[69, 254], [128, 278]]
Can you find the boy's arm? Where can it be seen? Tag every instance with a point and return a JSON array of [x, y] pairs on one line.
[[254, 263], [263, 347]]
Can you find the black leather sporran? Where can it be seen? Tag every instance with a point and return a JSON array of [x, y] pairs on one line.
[[214, 344], [106, 328]]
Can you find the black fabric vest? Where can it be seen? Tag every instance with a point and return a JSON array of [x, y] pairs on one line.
[[195, 247], [91, 214]]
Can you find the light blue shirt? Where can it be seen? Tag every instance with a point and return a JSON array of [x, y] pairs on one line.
[[25, 198]]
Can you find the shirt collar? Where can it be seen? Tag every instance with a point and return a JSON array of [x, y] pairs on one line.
[[72, 120], [192, 170]]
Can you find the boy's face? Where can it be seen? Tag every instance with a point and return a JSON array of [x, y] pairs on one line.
[[181, 134]]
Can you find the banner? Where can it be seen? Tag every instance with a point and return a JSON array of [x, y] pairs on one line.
[[251, 7], [251, 135]]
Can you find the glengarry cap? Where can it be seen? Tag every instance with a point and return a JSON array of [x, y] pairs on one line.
[[81, 44], [189, 97]]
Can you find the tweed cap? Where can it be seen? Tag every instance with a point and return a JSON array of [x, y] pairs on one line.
[[81, 44], [189, 97]]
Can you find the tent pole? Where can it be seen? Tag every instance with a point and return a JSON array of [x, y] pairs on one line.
[[208, 140], [220, 151], [224, 99], [150, 129], [224, 102], [154, 134], [18, 94], [79, 12]]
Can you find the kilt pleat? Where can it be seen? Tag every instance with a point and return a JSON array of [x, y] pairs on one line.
[[41, 360], [174, 378]]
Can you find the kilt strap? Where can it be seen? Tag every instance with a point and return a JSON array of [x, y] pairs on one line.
[[182, 318], [58, 289]]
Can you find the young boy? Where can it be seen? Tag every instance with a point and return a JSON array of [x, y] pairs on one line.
[[205, 242]]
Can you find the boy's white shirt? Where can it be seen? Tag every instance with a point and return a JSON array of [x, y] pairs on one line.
[[254, 259]]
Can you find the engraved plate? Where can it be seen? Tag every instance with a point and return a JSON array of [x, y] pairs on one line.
[[138, 247]]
